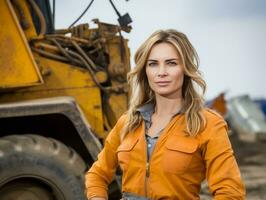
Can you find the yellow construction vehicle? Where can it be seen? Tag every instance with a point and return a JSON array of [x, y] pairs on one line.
[[61, 91]]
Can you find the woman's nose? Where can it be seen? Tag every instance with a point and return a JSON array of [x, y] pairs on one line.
[[162, 71]]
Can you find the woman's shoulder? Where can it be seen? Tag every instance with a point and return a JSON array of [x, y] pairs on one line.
[[212, 115], [123, 117], [214, 122], [121, 120]]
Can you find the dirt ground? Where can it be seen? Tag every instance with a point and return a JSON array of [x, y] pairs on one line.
[[251, 157]]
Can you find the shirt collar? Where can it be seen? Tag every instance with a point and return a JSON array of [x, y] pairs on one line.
[[146, 111]]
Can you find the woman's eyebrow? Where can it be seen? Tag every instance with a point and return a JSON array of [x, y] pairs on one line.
[[167, 60], [172, 59], [151, 60]]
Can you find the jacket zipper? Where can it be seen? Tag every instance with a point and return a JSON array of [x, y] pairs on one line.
[[147, 170], [147, 175]]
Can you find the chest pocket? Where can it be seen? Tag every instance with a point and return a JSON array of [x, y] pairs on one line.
[[124, 153], [178, 154]]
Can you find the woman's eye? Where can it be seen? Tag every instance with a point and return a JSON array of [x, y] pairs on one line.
[[172, 63], [151, 64]]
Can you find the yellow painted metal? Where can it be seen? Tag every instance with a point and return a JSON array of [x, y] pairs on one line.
[[115, 109], [30, 31], [17, 65], [62, 79], [119, 54], [101, 76], [120, 61]]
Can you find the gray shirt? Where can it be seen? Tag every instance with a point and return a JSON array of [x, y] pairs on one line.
[[146, 112]]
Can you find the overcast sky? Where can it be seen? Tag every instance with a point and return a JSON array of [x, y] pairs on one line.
[[229, 35]]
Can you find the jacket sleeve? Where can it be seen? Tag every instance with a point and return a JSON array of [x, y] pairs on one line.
[[102, 171], [222, 171]]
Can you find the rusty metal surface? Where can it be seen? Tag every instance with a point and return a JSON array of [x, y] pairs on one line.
[[103, 52]]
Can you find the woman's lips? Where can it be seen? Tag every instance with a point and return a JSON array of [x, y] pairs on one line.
[[162, 83]]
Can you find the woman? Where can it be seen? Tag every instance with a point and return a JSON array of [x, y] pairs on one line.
[[167, 143]]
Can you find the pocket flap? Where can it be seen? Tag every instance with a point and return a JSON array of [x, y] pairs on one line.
[[127, 145], [183, 144]]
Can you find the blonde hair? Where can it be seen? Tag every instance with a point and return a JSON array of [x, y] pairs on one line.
[[141, 92]]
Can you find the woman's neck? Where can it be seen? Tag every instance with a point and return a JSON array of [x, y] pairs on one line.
[[168, 106]]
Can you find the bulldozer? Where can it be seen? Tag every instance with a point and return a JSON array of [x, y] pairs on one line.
[[61, 92]]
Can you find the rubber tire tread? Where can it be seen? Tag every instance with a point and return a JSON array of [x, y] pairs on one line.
[[43, 158]]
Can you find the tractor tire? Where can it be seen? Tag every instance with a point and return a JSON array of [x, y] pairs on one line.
[[33, 167]]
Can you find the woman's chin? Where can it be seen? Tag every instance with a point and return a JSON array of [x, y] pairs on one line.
[[164, 94], [168, 93]]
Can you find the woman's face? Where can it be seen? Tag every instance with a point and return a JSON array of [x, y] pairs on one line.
[[165, 71]]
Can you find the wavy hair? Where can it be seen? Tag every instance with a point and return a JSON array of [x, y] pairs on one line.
[[193, 87]]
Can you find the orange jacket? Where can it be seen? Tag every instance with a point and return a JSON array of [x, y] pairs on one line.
[[177, 166]]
